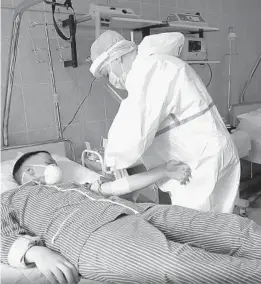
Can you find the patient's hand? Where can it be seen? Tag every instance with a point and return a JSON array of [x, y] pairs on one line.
[[178, 171], [53, 266], [95, 186]]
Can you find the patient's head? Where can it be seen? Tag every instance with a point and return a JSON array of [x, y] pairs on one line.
[[38, 166]]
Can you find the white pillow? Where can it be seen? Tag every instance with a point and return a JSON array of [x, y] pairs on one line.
[[253, 117], [59, 158], [71, 172], [251, 123], [7, 180], [76, 173]]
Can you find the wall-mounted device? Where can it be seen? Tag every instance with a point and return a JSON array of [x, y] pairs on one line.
[[112, 11], [194, 49], [186, 19], [107, 12]]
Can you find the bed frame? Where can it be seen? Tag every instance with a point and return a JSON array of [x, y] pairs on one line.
[[62, 147]]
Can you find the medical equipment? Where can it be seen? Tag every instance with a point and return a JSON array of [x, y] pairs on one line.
[[80, 105], [71, 23], [111, 11], [186, 18], [96, 156], [53, 85], [20, 9], [231, 38], [194, 49]]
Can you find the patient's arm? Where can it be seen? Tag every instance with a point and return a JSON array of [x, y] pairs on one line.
[[15, 240], [55, 267], [173, 169]]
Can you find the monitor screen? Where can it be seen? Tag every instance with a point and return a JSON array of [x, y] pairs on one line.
[[194, 45]]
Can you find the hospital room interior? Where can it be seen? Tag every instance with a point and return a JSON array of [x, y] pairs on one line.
[[50, 100]]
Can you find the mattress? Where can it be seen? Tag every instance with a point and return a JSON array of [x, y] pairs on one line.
[[242, 142], [10, 275]]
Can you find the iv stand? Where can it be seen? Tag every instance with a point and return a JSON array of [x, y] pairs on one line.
[[231, 37]]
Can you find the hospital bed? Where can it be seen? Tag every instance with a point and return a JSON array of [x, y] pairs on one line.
[[61, 150], [247, 135], [248, 144]]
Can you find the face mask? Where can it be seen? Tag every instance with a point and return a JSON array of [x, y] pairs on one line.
[[118, 82], [52, 174]]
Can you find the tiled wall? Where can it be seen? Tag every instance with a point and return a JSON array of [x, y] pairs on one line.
[[32, 114]]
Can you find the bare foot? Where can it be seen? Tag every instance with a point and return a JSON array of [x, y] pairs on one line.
[[178, 171]]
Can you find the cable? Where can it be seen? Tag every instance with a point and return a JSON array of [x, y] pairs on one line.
[[211, 75], [90, 89]]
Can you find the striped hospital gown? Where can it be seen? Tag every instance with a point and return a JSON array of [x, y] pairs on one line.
[[117, 241]]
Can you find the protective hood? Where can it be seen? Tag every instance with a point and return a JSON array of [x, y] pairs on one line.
[[165, 43]]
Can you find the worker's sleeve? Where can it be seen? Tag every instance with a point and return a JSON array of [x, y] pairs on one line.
[[136, 123], [15, 241]]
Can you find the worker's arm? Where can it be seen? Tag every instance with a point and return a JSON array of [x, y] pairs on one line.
[[173, 169], [15, 240], [149, 101]]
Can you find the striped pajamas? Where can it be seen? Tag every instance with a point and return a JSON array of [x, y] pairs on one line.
[[172, 244], [117, 241]]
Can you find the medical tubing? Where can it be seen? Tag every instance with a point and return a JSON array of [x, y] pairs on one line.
[[81, 103], [53, 85], [64, 221], [229, 76], [34, 24], [242, 96], [89, 197], [211, 75]]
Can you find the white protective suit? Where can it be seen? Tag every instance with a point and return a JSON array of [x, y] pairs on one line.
[[169, 114]]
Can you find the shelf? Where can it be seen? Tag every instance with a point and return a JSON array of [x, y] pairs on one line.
[[202, 61], [118, 22], [132, 24], [173, 27], [139, 24], [183, 27]]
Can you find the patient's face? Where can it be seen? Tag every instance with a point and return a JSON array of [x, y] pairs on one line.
[[34, 167]]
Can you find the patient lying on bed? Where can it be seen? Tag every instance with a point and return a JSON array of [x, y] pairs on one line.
[[40, 166], [67, 230]]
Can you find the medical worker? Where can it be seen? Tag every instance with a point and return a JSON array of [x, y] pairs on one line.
[[168, 114]]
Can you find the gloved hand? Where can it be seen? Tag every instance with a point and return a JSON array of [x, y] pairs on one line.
[[178, 171]]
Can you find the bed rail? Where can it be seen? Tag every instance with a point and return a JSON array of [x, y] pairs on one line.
[[43, 146], [19, 10]]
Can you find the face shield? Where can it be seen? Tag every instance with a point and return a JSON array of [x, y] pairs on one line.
[[103, 53]]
